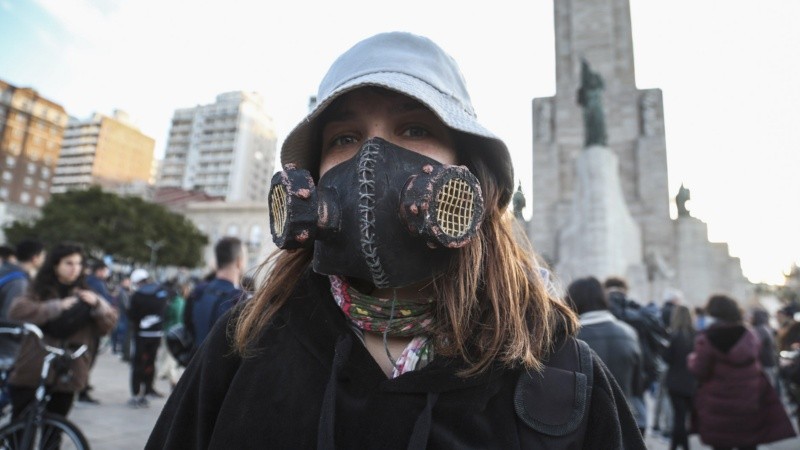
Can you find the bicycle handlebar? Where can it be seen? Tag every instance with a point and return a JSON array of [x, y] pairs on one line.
[[29, 328]]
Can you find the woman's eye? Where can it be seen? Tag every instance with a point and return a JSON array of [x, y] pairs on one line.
[[343, 140], [415, 131]]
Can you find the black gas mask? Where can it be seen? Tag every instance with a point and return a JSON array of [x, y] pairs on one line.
[[388, 215]]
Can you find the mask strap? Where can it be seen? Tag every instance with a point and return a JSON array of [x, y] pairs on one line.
[[386, 330]]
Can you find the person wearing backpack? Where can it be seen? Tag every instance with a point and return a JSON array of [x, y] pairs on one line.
[[15, 277], [653, 339], [146, 316], [210, 301]]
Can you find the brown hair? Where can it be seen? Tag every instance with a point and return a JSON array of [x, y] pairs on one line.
[[497, 309], [681, 320], [724, 308]]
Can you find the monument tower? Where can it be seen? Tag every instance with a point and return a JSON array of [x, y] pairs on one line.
[[565, 192]]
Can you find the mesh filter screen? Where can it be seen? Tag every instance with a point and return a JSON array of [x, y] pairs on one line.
[[454, 207], [278, 197]]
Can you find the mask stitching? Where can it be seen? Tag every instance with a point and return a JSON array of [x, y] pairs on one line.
[[366, 207]]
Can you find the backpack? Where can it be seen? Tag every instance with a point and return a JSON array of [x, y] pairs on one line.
[[180, 343], [180, 337], [11, 276], [653, 338]]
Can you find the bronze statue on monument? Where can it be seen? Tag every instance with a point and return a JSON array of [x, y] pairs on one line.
[[683, 196], [518, 201], [590, 97]]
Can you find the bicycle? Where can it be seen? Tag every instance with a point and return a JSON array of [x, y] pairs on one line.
[[36, 428]]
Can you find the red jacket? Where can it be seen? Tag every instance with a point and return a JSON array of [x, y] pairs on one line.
[[736, 405]]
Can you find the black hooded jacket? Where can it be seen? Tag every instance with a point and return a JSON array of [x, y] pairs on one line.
[[314, 385]]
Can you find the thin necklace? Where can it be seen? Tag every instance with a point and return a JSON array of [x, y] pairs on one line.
[[386, 330]]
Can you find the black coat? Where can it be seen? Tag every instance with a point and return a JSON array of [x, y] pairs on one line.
[[679, 380], [314, 385]]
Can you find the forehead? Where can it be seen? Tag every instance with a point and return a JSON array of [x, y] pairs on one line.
[[368, 96]]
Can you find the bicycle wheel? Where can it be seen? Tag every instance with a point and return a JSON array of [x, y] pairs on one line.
[[54, 432]]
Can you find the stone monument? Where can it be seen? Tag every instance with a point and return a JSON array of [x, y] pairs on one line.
[[599, 32], [600, 237]]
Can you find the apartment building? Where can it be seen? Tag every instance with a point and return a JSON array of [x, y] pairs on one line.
[[31, 132], [225, 149], [105, 151]]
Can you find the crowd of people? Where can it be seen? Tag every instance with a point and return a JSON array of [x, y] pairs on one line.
[[390, 318], [78, 301], [718, 375]]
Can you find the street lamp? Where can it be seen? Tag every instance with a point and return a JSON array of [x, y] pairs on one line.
[[154, 246]]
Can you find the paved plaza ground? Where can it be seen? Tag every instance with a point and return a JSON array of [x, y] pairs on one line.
[[112, 425]]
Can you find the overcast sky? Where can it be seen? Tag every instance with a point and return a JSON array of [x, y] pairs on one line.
[[729, 72]]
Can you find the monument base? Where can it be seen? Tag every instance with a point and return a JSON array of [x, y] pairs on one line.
[[600, 238]]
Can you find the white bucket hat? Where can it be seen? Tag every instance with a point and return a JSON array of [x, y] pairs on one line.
[[414, 66]]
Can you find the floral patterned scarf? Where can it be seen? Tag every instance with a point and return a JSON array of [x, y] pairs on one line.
[[392, 317]]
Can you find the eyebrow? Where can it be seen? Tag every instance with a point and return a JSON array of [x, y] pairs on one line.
[[343, 113]]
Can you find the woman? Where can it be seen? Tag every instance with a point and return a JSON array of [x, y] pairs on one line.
[[736, 405], [390, 332], [70, 315], [680, 383]]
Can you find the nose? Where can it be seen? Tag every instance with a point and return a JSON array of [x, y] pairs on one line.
[[378, 129]]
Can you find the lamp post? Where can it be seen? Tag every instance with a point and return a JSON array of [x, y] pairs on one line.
[[154, 247]]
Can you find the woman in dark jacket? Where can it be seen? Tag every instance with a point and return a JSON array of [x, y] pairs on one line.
[[736, 404], [402, 313], [680, 383], [70, 315]]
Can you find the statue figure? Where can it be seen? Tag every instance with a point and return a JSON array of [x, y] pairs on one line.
[[683, 196], [518, 201], [590, 97]]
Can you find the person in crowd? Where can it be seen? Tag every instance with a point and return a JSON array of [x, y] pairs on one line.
[[15, 276], [122, 336], [214, 299], [652, 340], [96, 280], [146, 317], [168, 368], [662, 416], [736, 405], [788, 340], [7, 255], [788, 328], [613, 340], [768, 353], [700, 318], [672, 298], [69, 314], [679, 382], [370, 338]]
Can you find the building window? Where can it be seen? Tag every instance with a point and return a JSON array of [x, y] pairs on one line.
[[24, 197], [28, 181], [7, 176], [233, 230], [31, 168], [45, 172], [4, 193], [43, 185], [11, 161], [39, 201]]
